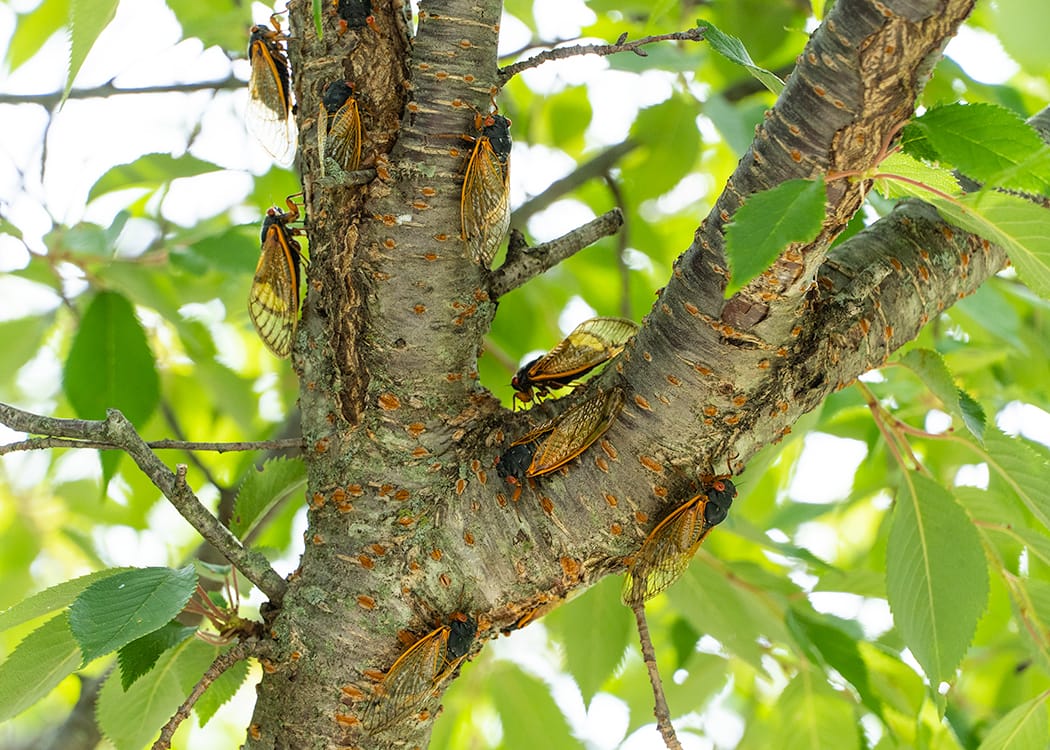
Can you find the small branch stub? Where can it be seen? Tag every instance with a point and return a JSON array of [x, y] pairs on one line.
[[525, 263]]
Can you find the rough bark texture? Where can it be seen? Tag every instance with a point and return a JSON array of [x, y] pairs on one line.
[[408, 520]]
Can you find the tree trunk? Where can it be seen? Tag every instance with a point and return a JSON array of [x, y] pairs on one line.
[[409, 522]]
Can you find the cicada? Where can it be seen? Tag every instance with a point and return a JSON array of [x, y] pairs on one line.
[[485, 201], [513, 466], [515, 461], [419, 671], [339, 130], [269, 92], [590, 344], [572, 432], [353, 13], [273, 302], [670, 546]]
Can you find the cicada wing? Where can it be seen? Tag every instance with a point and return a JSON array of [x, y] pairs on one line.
[[575, 430], [268, 114], [410, 680], [590, 344], [665, 553], [485, 203], [273, 302], [343, 144]]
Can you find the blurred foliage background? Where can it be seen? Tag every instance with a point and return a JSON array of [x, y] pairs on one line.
[[129, 228]]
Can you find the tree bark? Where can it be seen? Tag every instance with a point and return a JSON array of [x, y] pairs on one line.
[[408, 520]]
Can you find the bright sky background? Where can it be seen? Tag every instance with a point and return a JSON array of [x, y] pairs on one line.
[[141, 48]]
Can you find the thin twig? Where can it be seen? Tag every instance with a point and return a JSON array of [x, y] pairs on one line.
[[621, 45], [660, 708], [36, 444], [117, 430], [524, 264], [222, 662], [230, 82]]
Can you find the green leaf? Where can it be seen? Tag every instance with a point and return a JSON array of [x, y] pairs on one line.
[[767, 223], [1023, 728], [52, 599], [812, 717], [683, 638], [219, 692], [262, 490], [130, 719], [34, 28], [110, 364], [234, 251], [218, 22], [86, 238], [903, 165], [936, 576], [138, 657], [1020, 227], [1022, 38], [566, 116], [42, 660], [115, 611], [837, 649], [735, 616], [1021, 469], [932, 370], [733, 50], [988, 143], [1038, 544], [542, 725], [735, 121], [87, 18], [317, 19], [595, 630], [150, 171], [671, 146]]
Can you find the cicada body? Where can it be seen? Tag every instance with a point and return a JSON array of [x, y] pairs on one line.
[[273, 302], [590, 344], [421, 669], [269, 113], [667, 550], [485, 201], [572, 432], [513, 466], [353, 13], [339, 131]]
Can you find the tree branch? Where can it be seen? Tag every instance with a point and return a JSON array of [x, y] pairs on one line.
[[222, 662], [35, 444], [526, 263], [117, 430], [621, 45], [51, 100]]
